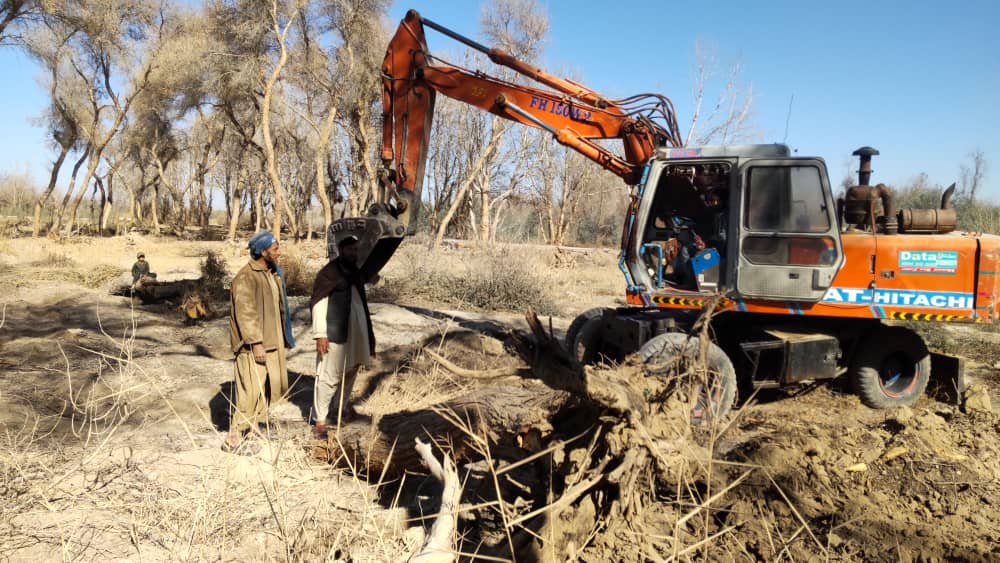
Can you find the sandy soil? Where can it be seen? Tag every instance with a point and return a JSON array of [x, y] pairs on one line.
[[112, 414]]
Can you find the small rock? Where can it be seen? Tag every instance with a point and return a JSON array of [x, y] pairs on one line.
[[834, 540], [893, 453], [977, 399], [903, 415]]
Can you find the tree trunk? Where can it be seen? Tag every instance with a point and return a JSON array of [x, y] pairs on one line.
[[55, 227], [99, 185], [265, 118], [202, 196], [463, 189], [320, 162], [154, 206], [502, 412], [484, 208], [236, 205], [44, 198], [258, 205], [87, 177]]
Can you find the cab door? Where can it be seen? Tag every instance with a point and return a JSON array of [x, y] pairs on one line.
[[789, 244]]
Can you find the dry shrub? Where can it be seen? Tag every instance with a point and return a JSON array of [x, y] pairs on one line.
[[54, 261], [498, 280], [214, 273], [495, 278], [100, 275], [298, 276]]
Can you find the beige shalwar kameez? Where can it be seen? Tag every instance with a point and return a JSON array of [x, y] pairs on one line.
[[256, 385], [337, 371]]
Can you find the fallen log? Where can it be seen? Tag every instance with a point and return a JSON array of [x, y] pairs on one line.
[[497, 417], [158, 291]]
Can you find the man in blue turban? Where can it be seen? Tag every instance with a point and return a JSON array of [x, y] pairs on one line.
[[260, 330]]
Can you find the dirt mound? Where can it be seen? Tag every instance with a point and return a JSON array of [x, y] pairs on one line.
[[910, 484]]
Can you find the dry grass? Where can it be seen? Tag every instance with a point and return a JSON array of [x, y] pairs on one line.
[[500, 278], [63, 268], [88, 484]]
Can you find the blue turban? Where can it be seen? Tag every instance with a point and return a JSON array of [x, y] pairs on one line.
[[258, 244]]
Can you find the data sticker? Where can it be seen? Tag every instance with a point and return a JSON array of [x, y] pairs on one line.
[[928, 262]]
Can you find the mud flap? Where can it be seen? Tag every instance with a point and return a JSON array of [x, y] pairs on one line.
[[378, 233], [947, 382]]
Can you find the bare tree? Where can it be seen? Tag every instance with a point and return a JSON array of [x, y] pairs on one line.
[[13, 15], [281, 23], [517, 27], [339, 73], [973, 174], [728, 118], [46, 45], [111, 38]]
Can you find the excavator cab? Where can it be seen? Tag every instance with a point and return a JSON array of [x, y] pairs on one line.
[[745, 218]]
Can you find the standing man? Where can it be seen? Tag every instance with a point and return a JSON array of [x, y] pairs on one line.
[[260, 330], [342, 328]]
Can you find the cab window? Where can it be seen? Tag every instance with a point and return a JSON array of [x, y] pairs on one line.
[[785, 199]]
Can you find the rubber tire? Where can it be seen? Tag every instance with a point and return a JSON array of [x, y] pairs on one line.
[[878, 351], [679, 346], [588, 343], [569, 342]]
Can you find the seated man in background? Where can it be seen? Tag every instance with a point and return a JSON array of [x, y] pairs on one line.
[[140, 271]]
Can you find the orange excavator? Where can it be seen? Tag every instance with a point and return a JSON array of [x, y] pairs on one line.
[[804, 286]]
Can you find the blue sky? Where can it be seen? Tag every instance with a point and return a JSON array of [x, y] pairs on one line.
[[918, 80]]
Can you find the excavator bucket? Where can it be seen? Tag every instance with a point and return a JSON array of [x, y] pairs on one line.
[[378, 233]]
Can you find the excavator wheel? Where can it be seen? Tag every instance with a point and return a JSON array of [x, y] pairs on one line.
[[890, 368], [574, 328], [588, 344], [673, 351]]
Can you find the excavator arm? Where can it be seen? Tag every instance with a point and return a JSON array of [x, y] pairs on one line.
[[575, 116]]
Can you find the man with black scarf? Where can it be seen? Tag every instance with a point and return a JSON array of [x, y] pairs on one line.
[[342, 328]]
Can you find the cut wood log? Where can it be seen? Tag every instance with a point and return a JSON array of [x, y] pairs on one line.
[[492, 416], [499, 414], [157, 291]]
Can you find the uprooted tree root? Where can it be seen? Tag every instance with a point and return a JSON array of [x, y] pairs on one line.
[[560, 459]]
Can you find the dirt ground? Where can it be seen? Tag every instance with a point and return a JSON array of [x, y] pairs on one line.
[[112, 414]]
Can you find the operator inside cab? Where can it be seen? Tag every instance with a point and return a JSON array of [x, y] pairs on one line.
[[687, 235]]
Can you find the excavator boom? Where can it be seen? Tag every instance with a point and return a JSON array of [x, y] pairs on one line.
[[573, 114]]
